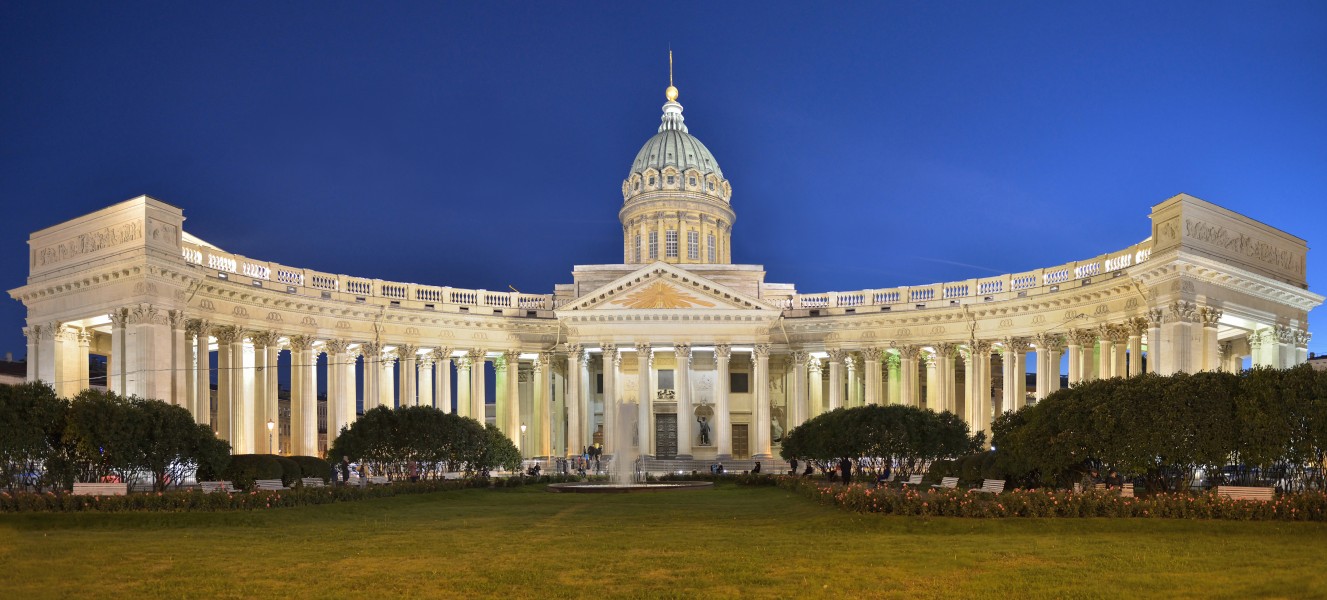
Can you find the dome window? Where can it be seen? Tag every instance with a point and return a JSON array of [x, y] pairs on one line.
[[651, 181], [671, 180], [638, 184], [691, 182], [708, 184]]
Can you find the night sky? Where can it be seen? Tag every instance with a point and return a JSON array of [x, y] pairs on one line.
[[483, 145]]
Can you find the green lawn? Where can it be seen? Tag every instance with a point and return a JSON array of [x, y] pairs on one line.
[[753, 542]]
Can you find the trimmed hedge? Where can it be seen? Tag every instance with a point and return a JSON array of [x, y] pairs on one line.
[[244, 469], [196, 500], [290, 471], [1043, 503], [312, 466]]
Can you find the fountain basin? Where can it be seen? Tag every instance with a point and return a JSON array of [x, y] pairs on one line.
[[629, 488]]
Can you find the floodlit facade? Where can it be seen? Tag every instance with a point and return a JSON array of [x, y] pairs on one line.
[[702, 359]]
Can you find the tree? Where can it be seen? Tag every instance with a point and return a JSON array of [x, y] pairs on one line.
[[903, 436], [31, 420]]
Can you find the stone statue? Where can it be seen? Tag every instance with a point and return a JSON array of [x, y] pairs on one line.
[[704, 431], [776, 429]]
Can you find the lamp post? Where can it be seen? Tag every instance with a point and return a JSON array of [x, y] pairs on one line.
[[522, 440], [271, 425]]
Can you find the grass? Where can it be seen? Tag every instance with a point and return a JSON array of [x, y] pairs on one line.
[[751, 542]]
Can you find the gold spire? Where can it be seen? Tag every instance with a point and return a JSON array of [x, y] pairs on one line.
[[671, 92]]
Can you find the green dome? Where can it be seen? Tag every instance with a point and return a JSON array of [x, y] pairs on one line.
[[674, 147]]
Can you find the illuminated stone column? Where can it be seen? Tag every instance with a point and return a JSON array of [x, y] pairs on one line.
[[387, 378], [424, 387], [478, 386], [1211, 318], [835, 378], [541, 401], [815, 379], [303, 397], [1302, 338], [645, 397], [894, 394], [372, 368], [442, 375], [723, 422], [1014, 390], [615, 439], [934, 387], [228, 337], [1155, 318], [762, 407], [339, 393], [853, 376], [685, 413], [871, 356], [799, 408], [1136, 328], [463, 386], [908, 388], [33, 335], [1178, 349], [947, 376], [350, 383], [116, 363], [1048, 363], [406, 357], [264, 406], [512, 391], [179, 359], [1075, 360], [575, 443], [202, 373], [977, 378]]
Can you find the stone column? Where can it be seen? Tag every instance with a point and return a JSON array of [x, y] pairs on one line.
[[1048, 363], [1136, 328], [463, 387], [645, 412], [424, 385], [372, 352], [191, 366], [575, 443], [33, 335], [540, 401], [934, 387], [871, 356], [226, 335], [723, 422], [853, 376], [1302, 338], [151, 340], [349, 410], [442, 377], [762, 406], [513, 393], [616, 437], [406, 357], [179, 359], [1075, 359], [798, 408], [115, 363], [202, 374], [977, 357], [946, 376], [1177, 346], [685, 413], [835, 378], [1087, 344], [244, 412], [1285, 337], [336, 388], [1106, 360], [815, 383], [1020, 347], [478, 391], [894, 378], [303, 397], [387, 379], [500, 403], [264, 406], [908, 356], [1155, 317], [1211, 318]]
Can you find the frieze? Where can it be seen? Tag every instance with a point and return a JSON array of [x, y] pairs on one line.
[[1245, 245], [88, 243]]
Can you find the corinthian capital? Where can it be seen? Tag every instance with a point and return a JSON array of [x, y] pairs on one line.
[[723, 352]]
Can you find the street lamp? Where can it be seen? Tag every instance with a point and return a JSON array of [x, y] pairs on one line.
[[522, 440], [270, 426]]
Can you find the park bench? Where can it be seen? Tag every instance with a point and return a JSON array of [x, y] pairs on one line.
[[1126, 490], [312, 482], [269, 485], [991, 486], [1235, 492], [947, 483], [914, 480], [101, 489], [209, 487], [378, 480]]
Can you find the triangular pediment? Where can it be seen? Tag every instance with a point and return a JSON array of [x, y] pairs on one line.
[[662, 286]]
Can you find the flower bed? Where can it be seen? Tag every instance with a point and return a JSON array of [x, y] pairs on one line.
[[1302, 506], [196, 500]]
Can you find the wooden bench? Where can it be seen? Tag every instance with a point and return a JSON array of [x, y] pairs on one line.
[[1235, 492], [269, 485], [913, 480], [947, 483], [101, 489], [378, 480], [209, 487], [312, 482], [991, 486], [1126, 490]]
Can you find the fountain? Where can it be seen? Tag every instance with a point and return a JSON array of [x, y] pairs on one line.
[[625, 463]]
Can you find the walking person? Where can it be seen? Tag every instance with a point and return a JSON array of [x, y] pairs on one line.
[[845, 470]]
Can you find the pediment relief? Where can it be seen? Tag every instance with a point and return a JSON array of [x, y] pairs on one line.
[[664, 287]]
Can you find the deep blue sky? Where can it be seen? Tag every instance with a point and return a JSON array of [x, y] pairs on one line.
[[481, 145]]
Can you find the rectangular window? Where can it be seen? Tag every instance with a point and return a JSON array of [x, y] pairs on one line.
[[599, 383], [670, 243], [654, 244], [711, 250], [739, 383], [637, 254], [693, 245]]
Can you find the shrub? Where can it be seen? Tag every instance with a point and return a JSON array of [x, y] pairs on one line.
[[244, 469], [312, 466], [290, 470]]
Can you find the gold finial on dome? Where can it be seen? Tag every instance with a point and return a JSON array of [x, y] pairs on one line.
[[671, 92]]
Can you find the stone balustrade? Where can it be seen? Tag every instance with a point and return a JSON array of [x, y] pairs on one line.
[[985, 289]]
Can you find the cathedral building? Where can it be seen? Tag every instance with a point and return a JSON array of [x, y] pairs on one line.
[[674, 351]]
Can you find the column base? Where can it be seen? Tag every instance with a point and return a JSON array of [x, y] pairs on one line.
[[723, 457], [683, 457], [762, 457]]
